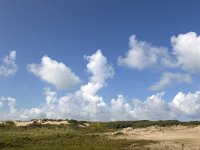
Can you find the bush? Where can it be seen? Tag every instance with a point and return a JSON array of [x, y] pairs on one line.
[[7, 124], [146, 123]]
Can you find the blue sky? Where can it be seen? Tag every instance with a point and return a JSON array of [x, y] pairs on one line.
[[135, 38]]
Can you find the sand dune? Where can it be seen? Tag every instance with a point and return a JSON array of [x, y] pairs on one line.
[[25, 123], [175, 137], [164, 138]]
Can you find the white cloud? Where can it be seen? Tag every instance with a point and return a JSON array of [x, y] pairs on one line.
[[83, 104], [100, 70], [11, 104], [185, 53], [141, 110], [75, 106], [86, 104], [153, 108], [142, 55], [8, 66], [168, 78], [32, 113], [55, 73], [187, 104], [186, 48]]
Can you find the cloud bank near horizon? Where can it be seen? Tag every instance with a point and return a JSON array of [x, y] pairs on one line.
[[86, 104]]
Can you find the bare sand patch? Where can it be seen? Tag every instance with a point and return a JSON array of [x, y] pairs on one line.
[[54, 122], [26, 123], [174, 137], [22, 123]]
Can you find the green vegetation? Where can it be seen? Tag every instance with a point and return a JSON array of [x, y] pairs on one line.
[[147, 123], [53, 138], [7, 124], [75, 135]]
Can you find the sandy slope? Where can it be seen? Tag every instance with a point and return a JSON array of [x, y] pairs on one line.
[[175, 137], [25, 123]]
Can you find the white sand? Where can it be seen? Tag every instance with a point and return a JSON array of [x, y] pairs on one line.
[[175, 137], [22, 123], [25, 123]]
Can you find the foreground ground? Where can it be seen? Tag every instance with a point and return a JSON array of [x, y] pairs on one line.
[[71, 134], [173, 137]]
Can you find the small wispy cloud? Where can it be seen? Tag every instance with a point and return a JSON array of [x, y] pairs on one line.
[[168, 78], [8, 66]]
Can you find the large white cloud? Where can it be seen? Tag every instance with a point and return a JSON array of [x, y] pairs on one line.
[[186, 48], [142, 55], [119, 109], [86, 104], [29, 114], [8, 67], [83, 104], [153, 108], [187, 104], [55, 73], [169, 78], [185, 53], [100, 70], [75, 106]]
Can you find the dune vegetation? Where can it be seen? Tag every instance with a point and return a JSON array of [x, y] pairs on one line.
[[72, 134]]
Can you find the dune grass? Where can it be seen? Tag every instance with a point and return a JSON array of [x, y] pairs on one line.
[[60, 137], [75, 135], [56, 139]]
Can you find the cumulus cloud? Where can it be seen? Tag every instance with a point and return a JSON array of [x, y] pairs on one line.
[[119, 109], [86, 104], [82, 104], [137, 109], [153, 108], [169, 78], [185, 53], [187, 104], [8, 66], [142, 54], [74, 106], [31, 113], [11, 104], [100, 70], [55, 73], [186, 48]]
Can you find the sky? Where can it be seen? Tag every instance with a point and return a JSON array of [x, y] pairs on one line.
[[100, 60]]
